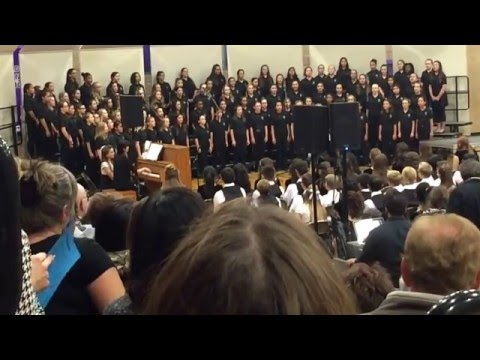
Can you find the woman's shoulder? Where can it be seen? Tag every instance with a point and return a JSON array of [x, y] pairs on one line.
[[121, 306], [94, 260]]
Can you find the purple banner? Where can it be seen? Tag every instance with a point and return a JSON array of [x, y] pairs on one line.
[[18, 84], [147, 59]]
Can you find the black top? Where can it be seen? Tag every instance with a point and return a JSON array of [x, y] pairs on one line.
[[405, 120], [29, 104], [343, 76], [279, 121], [401, 79], [232, 192], [352, 87], [437, 81], [86, 94], [426, 79], [72, 297], [257, 122], [264, 84], [109, 91], [121, 176], [320, 79], [189, 87], [218, 129], [373, 76], [387, 120], [396, 104], [203, 137], [70, 87], [465, 200], [70, 124], [166, 90], [251, 100], [385, 244], [195, 115], [180, 135], [320, 98], [115, 139], [239, 128], [99, 142], [132, 90], [295, 96], [307, 87], [208, 193], [241, 86], [218, 84], [374, 105], [423, 123], [383, 83], [272, 100], [165, 136]]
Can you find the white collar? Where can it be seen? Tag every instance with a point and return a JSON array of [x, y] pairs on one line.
[[375, 193], [228, 185]]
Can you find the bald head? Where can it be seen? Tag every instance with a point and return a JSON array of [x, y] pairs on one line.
[[442, 255], [81, 201]]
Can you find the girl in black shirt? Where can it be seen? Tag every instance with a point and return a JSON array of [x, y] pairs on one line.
[[202, 142], [331, 80], [241, 84], [114, 79], [180, 131], [89, 149], [406, 124], [437, 90], [287, 108], [165, 135], [252, 99], [319, 97], [229, 99], [352, 83], [374, 107], [396, 99], [387, 131], [362, 90], [165, 86], [382, 80], [239, 135], [150, 130], [290, 78], [176, 110], [218, 81], [273, 97], [265, 80], [295, 94], [71, 84], [343, 72], [232, 84], [281, 90], [307, 85], [258, 132], [339, 94], [210, 177], [401, 77], [135, 83], [280, 134], [122, 180], [188, 84], [424, 123]]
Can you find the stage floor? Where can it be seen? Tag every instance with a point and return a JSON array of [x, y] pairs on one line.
[[451, 143]]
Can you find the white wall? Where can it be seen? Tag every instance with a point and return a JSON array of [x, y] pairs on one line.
[[199, 60], [102, 62], [7, 90], [251, 57], [452, 57], [358, 56], [38, 68]]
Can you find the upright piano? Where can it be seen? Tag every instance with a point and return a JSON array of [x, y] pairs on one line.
[[170, 154]]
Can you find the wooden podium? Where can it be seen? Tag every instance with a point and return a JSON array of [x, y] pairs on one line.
[[171, 154]]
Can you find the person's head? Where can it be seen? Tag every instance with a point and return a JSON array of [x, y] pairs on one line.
[[363, 180], [263, 187], [352, 164], [422, 190], [268, 172], [463, 143], [370, 284], [216, 70], [390, 81], [240, 74], [413, 78], [295, 85], [160, 76], [409, 175], [28, 89], [411, 158], [406, 104], [421, 102], [157, 225], [308, 101], [400, 65], [339, 89], [355, 204], [400, 150], [469, 168], [437, 66], [331, 182], [63, 96], [109, 215], [395, 203], [351, 98], [394, 178], [210, 176], [71, 75], [228, 175], [81, 202], [10, 233], [87, 78], [264, 70], [424, 170], [172, 178], [122, 148], [108, 153], [279, 79], [110, 124], [374, 152], [380, 165], [135, 78], [48, 193], [343, 63], [376, 183], [241, 176], [249, 261], [101, 130], [264, 104], [396, 90], [437, 198], [297, 168], [442, 255], [166, 123], [429, 64], [115, 77], [291, 73], [231, 82], [373, 64]]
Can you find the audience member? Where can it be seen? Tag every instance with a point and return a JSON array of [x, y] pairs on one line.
[[249, 261], [210, 187], [230, 190]]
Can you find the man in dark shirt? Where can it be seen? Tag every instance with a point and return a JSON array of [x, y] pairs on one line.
[[465, 198], [385, 243]]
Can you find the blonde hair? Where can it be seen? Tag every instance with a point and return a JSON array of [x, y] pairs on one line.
[[394, 177], [442, 253], [409, 175], [424, 170], [46, 190]]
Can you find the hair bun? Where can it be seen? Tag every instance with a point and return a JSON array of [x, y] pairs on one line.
[[29, 195]]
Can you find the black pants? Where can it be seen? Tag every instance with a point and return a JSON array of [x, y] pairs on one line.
[[202, 160], [258, 148], [219, 155], [240, 151], [388, 147], [373, 131], [282, 153], [33, 141]]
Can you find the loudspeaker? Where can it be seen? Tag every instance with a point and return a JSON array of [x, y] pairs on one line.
[[311, 129], [131, 109], [345, 125]]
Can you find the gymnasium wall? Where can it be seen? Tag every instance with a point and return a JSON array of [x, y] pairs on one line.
[[102, 62], [358, 56], [199, 59], [251, 57], [40, 67]]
